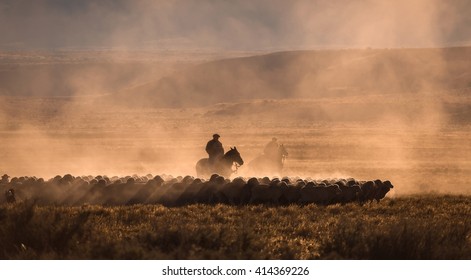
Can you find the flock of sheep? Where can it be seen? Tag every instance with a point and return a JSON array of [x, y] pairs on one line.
[[178, 191]]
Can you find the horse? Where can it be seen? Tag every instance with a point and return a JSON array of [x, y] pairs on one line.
[[265, 165], [222, 167]]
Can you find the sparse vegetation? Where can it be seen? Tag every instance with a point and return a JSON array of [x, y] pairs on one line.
[[412, 227]]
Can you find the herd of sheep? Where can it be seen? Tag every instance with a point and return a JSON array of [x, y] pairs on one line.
[[178, 191]]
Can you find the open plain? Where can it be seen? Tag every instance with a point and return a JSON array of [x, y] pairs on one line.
[[416, 134]]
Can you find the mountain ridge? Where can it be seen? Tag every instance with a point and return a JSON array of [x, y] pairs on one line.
[[310, 74]]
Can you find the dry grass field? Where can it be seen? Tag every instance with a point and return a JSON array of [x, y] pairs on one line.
[[412, 227]]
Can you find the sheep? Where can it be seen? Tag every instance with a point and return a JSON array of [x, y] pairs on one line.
[[246, 192], [382, 188], [349, 194], [262, 193], [264, 181], [257, 192], [319, 195], [21, 185], [93, 193], [351, 182], [144, 193], [173, 195], [341, 183], [291, 193], [5, 179], [374, 190], [367, 191], [66, 180], [82, 193], [119, 193], [78, 189], [286, 180], [55, 180], [189, 194], [233, 191], [180, 190], [210, 191], [156, 195], [32, 189]]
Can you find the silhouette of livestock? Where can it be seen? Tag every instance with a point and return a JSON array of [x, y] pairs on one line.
[[269, 192], [189, 194], [381, 189], [209, 193], [348, 193], [233, 191], [321, 194], [291, 193], [144, 192], [180, 191]]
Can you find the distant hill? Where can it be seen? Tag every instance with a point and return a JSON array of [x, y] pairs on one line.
[[67, 73], [310, 74], [179, 79]]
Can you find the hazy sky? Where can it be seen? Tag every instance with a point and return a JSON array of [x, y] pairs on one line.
[[234, 24]]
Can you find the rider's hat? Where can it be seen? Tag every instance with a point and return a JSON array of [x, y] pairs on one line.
[[216, 135]]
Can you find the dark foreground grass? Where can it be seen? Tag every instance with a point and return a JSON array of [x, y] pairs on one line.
[[415, 227]]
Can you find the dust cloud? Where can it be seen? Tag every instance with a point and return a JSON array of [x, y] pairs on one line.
[[362, 89]]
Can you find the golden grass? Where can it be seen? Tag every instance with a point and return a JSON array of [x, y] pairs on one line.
[[412, 227]]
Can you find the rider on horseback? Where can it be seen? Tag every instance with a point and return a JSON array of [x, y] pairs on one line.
[[214, 149], [271, 149]]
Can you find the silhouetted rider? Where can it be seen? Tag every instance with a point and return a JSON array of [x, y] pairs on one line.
[[271, 149], [214, 149]]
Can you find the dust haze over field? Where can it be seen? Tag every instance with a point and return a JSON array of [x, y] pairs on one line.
[[123, 87]]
